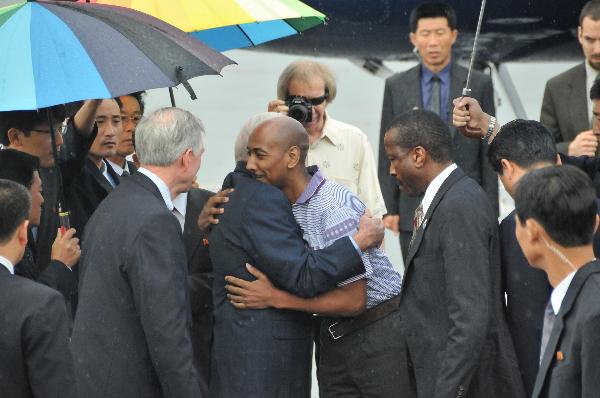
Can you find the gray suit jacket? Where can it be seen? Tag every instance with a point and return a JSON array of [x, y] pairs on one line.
[[452, 306], [575, 339], [564, 108], [131, 335], [403, 93]]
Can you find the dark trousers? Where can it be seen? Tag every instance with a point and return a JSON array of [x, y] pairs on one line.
[[370, 362]]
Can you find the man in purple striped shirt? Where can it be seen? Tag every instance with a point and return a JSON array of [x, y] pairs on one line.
[[361, 326]]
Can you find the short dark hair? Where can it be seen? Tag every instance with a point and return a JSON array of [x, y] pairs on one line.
[[18, 166], [139, 97], [432, 10], [15, 204], [595, 90], [591, 9], [27, 120], [419, 127], [563, 200], [524, 142]]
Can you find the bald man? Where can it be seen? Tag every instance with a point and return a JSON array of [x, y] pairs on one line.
[[267, 353], [366, 337]]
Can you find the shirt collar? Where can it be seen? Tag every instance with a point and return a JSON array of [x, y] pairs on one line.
[[332, 134], [180, 203], [444, 74], [559, 292], [118, 169], [312, 188], [435, 185], [590, 72], [160, 184], [9, 266]]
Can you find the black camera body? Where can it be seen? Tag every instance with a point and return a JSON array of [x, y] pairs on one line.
[[300, 109]]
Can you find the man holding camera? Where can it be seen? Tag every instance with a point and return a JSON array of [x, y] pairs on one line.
[[341, 151]]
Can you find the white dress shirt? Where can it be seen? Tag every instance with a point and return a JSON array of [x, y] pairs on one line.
[[435, 185], [106, 174], [118, 169], [179, 207], [559, 292], [9, 266]]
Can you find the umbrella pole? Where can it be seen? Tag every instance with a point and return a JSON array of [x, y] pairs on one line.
[[172, 95], [60, 194]]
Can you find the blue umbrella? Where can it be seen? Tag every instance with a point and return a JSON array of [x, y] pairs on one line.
[[57, 52]]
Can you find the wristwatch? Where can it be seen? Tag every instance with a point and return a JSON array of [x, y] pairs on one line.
[[490, 129]]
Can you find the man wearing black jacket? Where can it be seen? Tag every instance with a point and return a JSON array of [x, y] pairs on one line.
[[22, 168]]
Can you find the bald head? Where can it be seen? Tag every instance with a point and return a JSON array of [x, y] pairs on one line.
[[285, 133]]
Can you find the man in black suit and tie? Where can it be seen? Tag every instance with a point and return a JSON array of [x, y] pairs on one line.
[[131, 335], [22, 168], [556, 217], [267, 353], [34, 354], [432, 85], [132, 110], [451, 303]]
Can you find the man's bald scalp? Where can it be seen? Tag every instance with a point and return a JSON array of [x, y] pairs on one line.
[[288, 132]]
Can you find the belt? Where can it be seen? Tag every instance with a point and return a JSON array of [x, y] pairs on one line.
[[345, 326]]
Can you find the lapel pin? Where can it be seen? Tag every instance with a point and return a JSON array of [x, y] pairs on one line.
[[560, 356]]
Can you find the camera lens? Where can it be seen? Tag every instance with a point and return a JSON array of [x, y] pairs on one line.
[[300, 109]]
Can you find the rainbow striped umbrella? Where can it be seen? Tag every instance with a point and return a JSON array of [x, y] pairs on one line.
[[54, 52], [229, 24]]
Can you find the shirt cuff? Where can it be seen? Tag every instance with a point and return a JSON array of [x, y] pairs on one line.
[[355, 246]]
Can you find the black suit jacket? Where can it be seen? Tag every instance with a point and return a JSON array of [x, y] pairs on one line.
[[569, 366], [85, 193], [527, 293], [564, 107], [451, 302], [34, 341], [131, 335], [56, 275], [200, 281], [402, 94], [267, 353]]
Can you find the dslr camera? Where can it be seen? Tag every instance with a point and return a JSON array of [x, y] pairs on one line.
[[300, 109]]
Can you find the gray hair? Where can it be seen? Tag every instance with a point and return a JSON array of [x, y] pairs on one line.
[[241, 142], [165, 134], [304, 70]]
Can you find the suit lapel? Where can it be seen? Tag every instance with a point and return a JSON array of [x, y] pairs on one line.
[[448, 183], [98, 176], [578, 101], [565, 308], [458, 80], [411, 91]]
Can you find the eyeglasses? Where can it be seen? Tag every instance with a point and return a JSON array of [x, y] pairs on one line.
[[313, 101], [133, 119], [57, 129]]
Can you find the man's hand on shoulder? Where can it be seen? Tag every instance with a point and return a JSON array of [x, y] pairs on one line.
[[370, 232], [211, 209], [584, 144]]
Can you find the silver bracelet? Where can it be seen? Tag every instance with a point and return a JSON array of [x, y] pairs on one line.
[[490, 129]]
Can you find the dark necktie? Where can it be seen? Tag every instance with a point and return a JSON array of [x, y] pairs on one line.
[[417, 221], [125, 173], [549, 318], [435, 95]]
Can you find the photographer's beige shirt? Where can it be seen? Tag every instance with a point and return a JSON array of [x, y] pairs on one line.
[[343, 154]]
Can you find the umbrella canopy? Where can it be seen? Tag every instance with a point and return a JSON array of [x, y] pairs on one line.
[[57, 52], [229, 24]]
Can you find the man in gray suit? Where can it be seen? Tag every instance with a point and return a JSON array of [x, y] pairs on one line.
[[566, 108], [131, 336], [457, 339], [432, 85], [556, 214]]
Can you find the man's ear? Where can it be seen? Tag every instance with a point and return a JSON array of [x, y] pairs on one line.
[[14, 137], [596, 223], [419, 156], [294, 157], [508, 169], [534, 230], [22, 233]]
